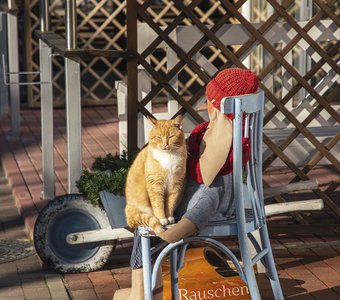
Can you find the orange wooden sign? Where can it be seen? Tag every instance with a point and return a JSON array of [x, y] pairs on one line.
[[198, 279]]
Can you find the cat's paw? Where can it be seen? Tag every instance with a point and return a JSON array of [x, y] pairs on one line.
[[164, 221], [171, 220]]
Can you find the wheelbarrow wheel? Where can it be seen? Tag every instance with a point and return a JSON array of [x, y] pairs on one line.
[[64, 215]]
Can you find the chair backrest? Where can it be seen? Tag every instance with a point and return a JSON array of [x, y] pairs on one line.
[[247, 123]]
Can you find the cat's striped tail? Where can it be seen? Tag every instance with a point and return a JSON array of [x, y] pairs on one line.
[[135, 218]]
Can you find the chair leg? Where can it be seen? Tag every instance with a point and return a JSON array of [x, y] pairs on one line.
[[248, 267], [174, 273], [272, 272], [251, 280], [147, 268]]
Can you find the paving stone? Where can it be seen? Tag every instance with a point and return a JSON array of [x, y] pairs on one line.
[[37, 293], [324, 273], [33, 283], [9, 280], [105, 296], [12, 298], [56, 286], [78, 281], [103, 283], [331, 257], [123, 279], [87, 294], [8, 268], [325, 294], [11, 291]]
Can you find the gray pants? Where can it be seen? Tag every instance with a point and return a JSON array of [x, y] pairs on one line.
[[201, 205]]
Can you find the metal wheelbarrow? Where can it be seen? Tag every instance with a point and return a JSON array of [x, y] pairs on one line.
[[72, 236]]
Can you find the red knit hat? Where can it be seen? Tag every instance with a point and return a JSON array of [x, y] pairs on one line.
[[231, 82]]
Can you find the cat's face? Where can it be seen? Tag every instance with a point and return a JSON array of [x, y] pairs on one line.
[[166, 135]]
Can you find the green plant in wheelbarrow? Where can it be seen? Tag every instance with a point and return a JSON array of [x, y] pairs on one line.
[[73, 233], [108, 174]]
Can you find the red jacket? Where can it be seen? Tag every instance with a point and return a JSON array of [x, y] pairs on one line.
[[194, 141]]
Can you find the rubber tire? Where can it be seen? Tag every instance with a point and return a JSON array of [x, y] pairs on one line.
[[56, 220]]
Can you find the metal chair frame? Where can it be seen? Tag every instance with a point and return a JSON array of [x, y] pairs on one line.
[[249, 212]]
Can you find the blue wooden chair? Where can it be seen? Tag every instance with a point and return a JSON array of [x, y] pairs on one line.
[[249, 215]]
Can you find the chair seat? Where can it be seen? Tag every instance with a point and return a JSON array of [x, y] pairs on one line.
[[214, 228], [228, 226]]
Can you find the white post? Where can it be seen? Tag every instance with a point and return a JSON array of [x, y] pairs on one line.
[[46, 90], [73, 101], [73, 116], [3, 51], [121, 89], [13, 66]]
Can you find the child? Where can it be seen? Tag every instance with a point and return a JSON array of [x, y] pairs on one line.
[[208, 194]]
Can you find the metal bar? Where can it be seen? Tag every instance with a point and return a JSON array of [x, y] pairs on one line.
[[4, 96], [73, 117], [147, 269], [28, 50], [181, 256], [9, 82], [13, 83], [13, 65], [71, 24], [174, 273], [99, 235], [21, 73], [259, 256], [46, 94], [44, 15], [132, 97], [238, 196]]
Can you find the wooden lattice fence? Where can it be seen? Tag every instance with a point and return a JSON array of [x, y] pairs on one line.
[[101, 24], [297, 63]]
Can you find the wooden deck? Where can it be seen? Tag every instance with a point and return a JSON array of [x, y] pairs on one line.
[[309, 264]]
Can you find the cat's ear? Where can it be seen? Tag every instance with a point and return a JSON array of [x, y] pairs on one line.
[[177, 122], [152, 120]]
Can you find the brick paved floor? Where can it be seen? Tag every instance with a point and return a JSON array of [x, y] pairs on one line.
[[309, 266], [23, 278]]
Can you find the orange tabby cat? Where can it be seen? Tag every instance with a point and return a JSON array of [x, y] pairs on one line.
[[156, 179]]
